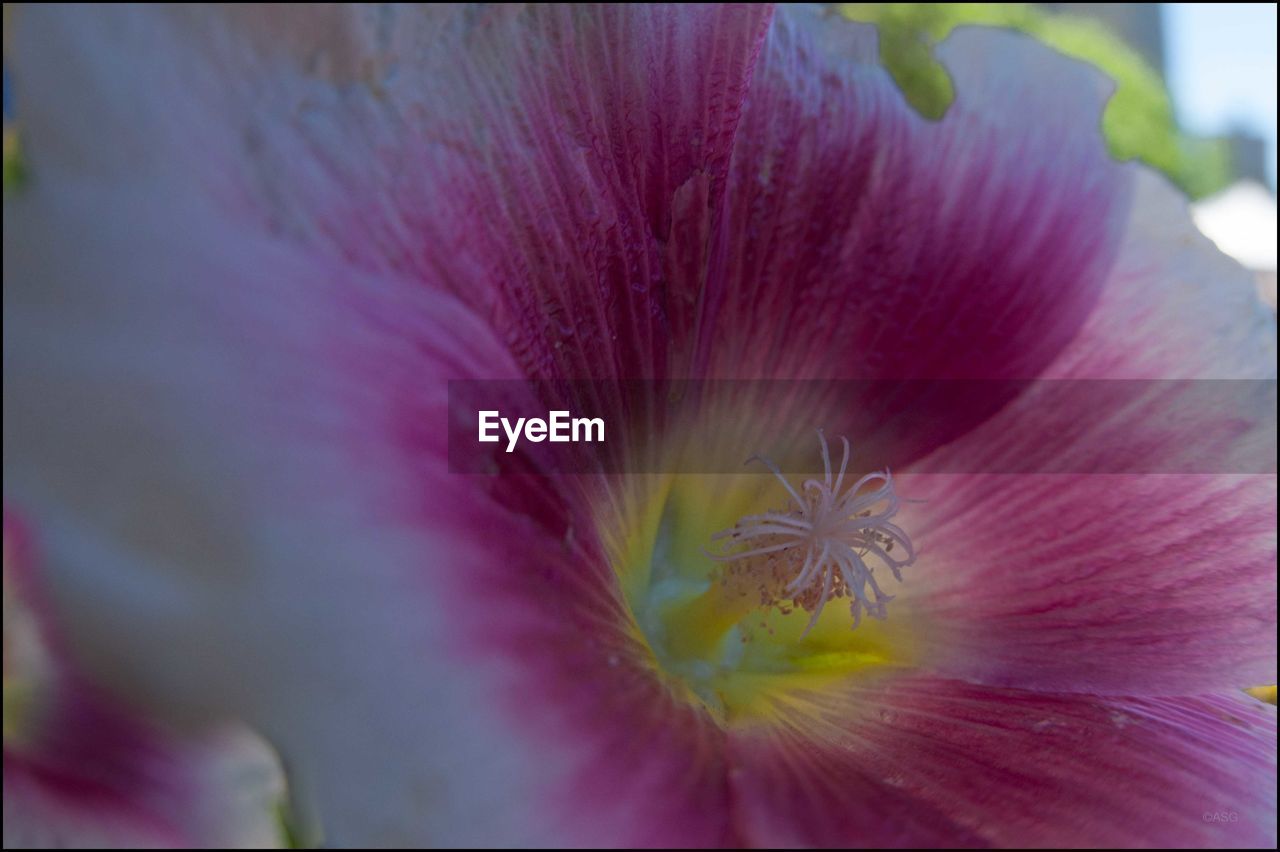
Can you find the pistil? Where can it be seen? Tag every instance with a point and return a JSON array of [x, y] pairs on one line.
[[825, 543]]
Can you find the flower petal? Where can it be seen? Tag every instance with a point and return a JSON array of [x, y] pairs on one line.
[[879, 245], [1158, 584], [231, 516], [1157, 573], [248, 512], [607, 141], [861, 241], [152, 791], [925, 762], [227, 341], [578, 176], [83, 769], [1173, 305]]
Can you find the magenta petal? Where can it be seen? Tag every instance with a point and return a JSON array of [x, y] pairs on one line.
[[50, 815], [621, 192], [863, 241], [129, 784], [82, 769], [1131, 578], [592, 220], [850, 238], [276, 410], [565, 163], [564, 192], [1157, 584], [790, 791], [922, 762], [624, 758]]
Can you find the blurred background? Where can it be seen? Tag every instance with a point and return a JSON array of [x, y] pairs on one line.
[[1195, 97]]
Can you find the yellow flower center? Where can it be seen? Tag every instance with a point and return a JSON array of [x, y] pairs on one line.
[[729, 577]]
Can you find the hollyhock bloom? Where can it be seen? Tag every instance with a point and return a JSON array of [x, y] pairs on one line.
[[257, 244], [81, 770]]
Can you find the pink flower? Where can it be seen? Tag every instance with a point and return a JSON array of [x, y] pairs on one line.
[[257, 244], [83, 770]]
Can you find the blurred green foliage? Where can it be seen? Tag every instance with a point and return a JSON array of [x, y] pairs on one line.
[[15, 173], [1138, 122]]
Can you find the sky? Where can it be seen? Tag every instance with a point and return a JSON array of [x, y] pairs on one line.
[[1222, 68]]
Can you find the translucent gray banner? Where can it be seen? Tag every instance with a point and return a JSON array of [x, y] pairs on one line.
[[948, 426]]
